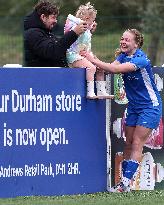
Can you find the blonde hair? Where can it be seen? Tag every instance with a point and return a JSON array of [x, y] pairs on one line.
[[88, 8], [138, 37]]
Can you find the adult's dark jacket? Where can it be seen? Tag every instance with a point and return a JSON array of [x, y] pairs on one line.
[[41, 47]]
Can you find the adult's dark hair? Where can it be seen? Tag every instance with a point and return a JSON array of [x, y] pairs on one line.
[[46, 7]]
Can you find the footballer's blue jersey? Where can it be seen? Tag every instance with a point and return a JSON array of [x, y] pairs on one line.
[[140, 87]]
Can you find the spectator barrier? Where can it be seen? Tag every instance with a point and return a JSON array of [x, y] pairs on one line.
[[53, 140]]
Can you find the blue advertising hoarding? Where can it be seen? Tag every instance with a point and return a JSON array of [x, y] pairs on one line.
[[53, 140]]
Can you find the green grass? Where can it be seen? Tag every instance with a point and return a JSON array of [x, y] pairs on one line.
[[11, 47], [133, 198], [104, 45]]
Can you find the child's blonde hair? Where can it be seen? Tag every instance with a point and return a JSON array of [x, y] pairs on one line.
[[86, 9]]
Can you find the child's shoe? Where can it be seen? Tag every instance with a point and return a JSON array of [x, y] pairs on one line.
[[101, 90], [90, 90]]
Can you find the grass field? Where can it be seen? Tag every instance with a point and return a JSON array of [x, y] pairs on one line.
[[133, 198], [11, 47]]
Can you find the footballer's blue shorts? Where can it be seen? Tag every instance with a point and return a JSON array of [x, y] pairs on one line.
[[146, 117]]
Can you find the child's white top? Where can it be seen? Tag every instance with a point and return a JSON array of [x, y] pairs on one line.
[[82, 43]]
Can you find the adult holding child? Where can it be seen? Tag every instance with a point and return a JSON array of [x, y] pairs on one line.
[[41, 47], [144, 107]]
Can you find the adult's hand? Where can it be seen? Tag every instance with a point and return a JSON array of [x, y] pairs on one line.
[[80, 28]]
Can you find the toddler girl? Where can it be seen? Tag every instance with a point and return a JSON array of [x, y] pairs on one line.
[[87, 14]]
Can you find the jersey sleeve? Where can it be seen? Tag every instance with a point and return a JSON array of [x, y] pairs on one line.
[[139, 62], [120, 58]]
